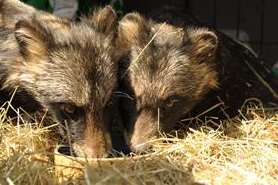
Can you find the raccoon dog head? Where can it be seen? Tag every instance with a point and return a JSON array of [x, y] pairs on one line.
[[71, 72], [169, 69]]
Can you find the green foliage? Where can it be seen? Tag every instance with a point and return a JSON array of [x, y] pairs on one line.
[[40, 4]]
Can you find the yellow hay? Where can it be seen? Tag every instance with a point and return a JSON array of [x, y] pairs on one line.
[[242, 151]]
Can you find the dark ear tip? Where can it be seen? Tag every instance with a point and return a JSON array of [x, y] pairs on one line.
[[109, 8], [109, 11]]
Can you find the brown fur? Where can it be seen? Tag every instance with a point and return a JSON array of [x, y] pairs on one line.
[[12, 11], [72, 72], [102, 19], [168, 70]]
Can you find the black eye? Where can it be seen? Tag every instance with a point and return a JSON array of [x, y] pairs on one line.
[[68, 109], [171, 101]]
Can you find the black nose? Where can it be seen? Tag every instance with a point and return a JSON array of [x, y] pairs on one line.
[[119, 145], [141, 148], [66, 150]]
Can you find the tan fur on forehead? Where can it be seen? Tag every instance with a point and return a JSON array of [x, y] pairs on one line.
[[63, 85], [173, 74], [161, 87], [67, 77], [168, 34], [157, 72]]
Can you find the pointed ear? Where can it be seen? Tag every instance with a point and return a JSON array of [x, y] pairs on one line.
[[104, 20], [204, 44], [132, 30], [31, 39]]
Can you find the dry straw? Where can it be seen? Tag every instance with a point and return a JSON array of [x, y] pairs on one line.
[[242, 151]]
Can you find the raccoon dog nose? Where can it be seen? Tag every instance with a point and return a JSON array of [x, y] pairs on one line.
[[140, 148]]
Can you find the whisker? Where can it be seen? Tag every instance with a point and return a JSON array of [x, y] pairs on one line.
[[122, 94]]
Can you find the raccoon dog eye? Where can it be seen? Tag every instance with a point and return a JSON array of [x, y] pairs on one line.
[[68, 109], [171, 101]]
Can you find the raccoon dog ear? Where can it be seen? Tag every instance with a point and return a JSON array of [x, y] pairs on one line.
[[133, 30], [103, 20], [204, 44], [31, 39], [203, 47]]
